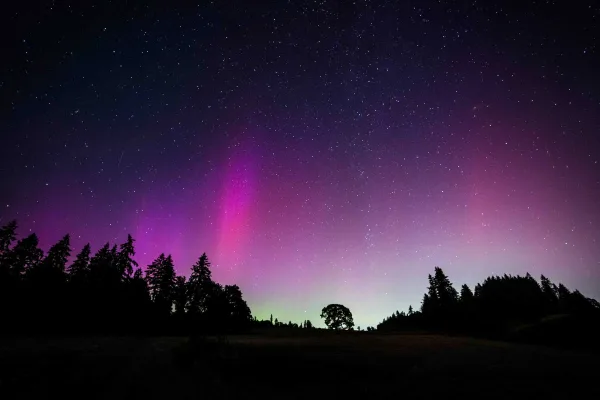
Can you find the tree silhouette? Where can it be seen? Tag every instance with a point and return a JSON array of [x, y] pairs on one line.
[[102, 269], [447, 296], [200, 285], [466, 295], [499, 307], [427, 304], [160, 277], [337, 317], [126, 263], [51, 270], [7, 237], [510, 297], [238, 311], [431, 300], [216, 309], [440, 301], [48, 276], [549, 291], [107, 292], [79, 270], [564, 296], [24, 256]]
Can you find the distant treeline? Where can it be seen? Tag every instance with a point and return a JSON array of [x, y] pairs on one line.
[[107, 292], [270, 323], [502, 306]]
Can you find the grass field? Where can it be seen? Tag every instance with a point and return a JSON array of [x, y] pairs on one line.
[[320, 364]]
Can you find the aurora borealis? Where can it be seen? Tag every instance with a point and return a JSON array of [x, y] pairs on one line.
[[322, 152]]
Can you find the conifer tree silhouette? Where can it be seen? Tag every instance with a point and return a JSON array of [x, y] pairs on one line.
[[107, 292], [79, 270], [160, 277], [126, 262], [24, 256], [200, 285], [466, 295]]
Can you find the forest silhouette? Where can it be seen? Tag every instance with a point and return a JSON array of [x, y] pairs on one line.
[[109, 293], [504, 307]]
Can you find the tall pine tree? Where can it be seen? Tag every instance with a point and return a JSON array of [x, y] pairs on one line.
[[466, 295], [80, 268], [550, 295], [125, 261], [447, 295], [160, 277], [200, 285], [431, 301], [57, 257]]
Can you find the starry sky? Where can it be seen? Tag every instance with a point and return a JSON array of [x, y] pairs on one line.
[[318, 151]]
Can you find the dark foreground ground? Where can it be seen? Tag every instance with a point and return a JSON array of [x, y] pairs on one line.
[[318, 365]]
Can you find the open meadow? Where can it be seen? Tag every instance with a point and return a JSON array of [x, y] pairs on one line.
[[284, 365]]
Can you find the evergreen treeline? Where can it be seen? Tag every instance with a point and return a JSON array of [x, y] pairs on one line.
[[108, 292], [499, 305], [275, 323]]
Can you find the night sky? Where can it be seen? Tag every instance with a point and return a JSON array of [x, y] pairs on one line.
[[319, 152]]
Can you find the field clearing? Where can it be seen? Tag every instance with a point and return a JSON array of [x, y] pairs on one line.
[[263, 366]]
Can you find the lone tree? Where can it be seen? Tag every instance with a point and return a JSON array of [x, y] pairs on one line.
[[337, 317]]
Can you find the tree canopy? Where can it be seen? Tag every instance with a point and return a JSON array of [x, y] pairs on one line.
[[337, 317]]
